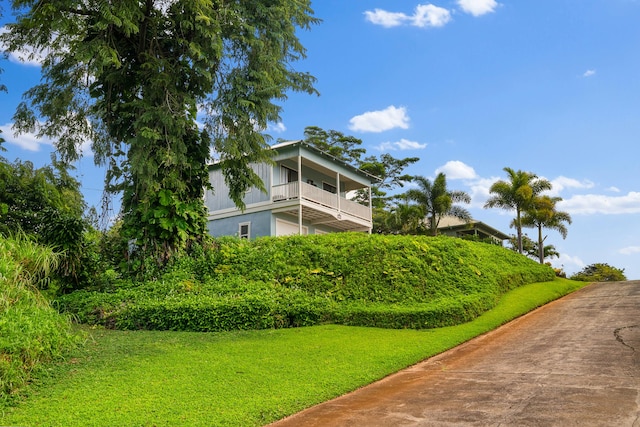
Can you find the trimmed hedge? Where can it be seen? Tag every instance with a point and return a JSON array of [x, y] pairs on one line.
[[346, 278]]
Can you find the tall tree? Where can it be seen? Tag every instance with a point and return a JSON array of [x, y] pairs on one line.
[[543, 214], [516, 194], [344, 147], [131, 76], [437, 201]]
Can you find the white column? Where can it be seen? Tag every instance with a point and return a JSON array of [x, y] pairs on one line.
[[370, 209], [299, 194], [338, 188]]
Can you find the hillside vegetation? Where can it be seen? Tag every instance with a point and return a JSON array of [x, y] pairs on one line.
[[348, 278], [31, 331]]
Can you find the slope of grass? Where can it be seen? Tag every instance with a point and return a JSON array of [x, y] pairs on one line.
[[344, 278], [241, 378], [31, 332]]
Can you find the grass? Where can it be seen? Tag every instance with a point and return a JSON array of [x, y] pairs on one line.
[[243, 378]]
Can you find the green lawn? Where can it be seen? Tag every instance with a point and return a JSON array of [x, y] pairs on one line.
[[245, 378]]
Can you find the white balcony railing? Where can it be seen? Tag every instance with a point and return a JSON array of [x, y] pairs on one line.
[[321, 197]]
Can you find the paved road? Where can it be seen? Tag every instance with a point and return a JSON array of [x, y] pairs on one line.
[[574, 362]]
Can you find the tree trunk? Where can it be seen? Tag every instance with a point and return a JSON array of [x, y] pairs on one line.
[[540, 244], [519, 231]]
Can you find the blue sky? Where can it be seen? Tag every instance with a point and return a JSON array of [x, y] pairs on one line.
[[470, 86]]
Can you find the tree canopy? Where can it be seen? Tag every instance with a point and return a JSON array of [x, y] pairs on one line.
[[131, 77], [543, 214], [438, 201], [516, 194]]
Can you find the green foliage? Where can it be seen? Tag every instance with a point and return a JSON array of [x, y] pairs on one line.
[[46, 203], [351, 278], [31, 331], [128, 378], [600, 272], [518, 194], [131, 76], [542, 213], [437, 201]]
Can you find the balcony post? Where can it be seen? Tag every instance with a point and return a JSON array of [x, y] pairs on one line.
[[338, 189], [299, 193], [370, 210]]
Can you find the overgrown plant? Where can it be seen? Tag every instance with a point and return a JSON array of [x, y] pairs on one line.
[[31, 331], [131, 76], [347, 278]]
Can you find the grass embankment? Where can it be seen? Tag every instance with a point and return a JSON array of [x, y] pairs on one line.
[[241, 378], [343, 278], [31, 332]]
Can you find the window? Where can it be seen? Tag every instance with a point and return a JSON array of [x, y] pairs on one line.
[[328, 187], [244, 230], [288, 175]]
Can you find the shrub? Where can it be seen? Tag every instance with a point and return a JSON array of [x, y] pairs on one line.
[[31, 331], [600, 272], [351, 278]]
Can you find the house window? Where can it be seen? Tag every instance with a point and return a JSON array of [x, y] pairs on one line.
[[244, 230], [328, 187], [288, 175]]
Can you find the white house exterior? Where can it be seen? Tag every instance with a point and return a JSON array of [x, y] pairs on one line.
[[307, 193]]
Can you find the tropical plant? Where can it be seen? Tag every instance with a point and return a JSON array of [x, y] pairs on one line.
[[437, 201], [531, 249], [131, 76], [516, 194], [402, 218], [543, 214], [31, 331], [600, 272]]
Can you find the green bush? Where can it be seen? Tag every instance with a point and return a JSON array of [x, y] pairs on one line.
[[600, 272], [349, 278], [31, 331]]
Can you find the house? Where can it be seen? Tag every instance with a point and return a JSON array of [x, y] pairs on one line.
[[308, 192], [452, 226]]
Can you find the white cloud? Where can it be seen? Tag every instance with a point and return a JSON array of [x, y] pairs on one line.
[[28, 56], [614, 189], [589, 73], [630, 250], [456, 169], [477, 7], [379, 121], [403, 144], [568, 263], [31, 142], [425, 15], [562, 182], [479, 191], [384, 18], [428, 15], [26, 141], [590, 204], [277, 127]]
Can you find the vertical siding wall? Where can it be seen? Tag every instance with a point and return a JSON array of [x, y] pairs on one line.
[[219, 198]]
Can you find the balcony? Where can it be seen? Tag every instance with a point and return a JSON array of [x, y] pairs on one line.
[[314, 197]]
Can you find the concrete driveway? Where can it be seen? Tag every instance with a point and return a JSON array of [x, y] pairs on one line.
[[574, 362]]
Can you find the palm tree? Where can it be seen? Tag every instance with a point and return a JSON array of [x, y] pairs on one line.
[[543, 213], [516, 194], [405, 219], [437, 201]]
